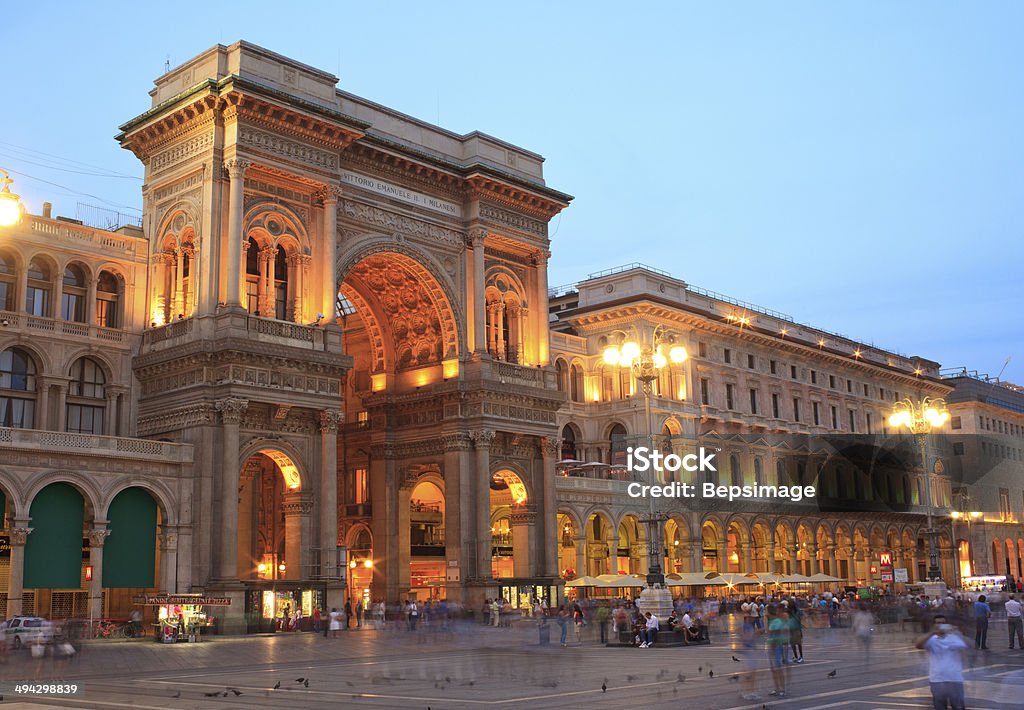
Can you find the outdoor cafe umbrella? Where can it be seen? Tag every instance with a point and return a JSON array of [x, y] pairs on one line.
[[822, 577], [585, 581], [614, 581], [697, 579]]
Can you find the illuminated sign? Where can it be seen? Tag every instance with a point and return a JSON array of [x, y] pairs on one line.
[[885, 559]]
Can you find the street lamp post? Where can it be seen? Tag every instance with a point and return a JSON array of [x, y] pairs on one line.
[[646, 361], [921, 418], [10, 203]]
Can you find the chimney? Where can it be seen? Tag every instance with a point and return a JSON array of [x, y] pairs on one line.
[[47, 209]]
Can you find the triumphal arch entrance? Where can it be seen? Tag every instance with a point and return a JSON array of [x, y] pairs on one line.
[[348, 320]]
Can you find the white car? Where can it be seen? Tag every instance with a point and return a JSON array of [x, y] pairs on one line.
[[24, 630]]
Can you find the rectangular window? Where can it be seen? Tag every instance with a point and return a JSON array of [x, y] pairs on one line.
[[1004, 503], [702, 349], [958, 448], [775, 405], [849, 386], [771, 367], [750, 361], [832, 381], [17, 413], [727, 353], [106, 313], [817, 413], [796, 409], [753, 401], [814, 377], [84, 420], [867, 420], [37, 301], [705, 398], [729, 403], [6, 294], [835, 418], [792, 372], [881, 394], [71, 308], [853, 421], [361, 486], [865, 390], [955, 423], [362, 419]]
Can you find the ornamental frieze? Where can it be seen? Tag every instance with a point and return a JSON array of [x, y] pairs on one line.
[[391, 222], [192, 181], [292, 150], [181, 151], [513, 220]]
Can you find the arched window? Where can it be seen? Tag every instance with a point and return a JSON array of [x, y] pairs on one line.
[[607, 384], [17, 389], [252, 277], [561, 376], [780, 473], [8, 283], [72, 303], [37, 294], [86, 402], [575, 383], [625, 383], [108, 301], [758, 472], [617, 437], [281, 285], [734, 470], [568, 443]]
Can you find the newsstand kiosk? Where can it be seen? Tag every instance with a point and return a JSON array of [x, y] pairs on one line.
[[182, 617]]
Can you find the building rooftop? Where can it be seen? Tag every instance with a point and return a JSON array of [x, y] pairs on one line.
[[972, 386]]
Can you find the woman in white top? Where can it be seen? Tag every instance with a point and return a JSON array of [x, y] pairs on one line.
[[335, 623]]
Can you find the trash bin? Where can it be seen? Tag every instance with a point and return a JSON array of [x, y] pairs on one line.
[[544, 631]]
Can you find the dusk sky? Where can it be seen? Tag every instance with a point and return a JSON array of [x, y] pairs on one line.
[[858, 166]]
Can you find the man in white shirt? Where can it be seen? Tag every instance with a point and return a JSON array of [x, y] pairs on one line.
[[1013, 620], [650, 631], [945, 649]]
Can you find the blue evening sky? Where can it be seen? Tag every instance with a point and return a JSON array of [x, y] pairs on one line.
[[856, 165]]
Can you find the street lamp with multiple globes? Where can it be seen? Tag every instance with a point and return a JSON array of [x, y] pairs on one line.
[[10, 203], [921, 418], [646, 361]]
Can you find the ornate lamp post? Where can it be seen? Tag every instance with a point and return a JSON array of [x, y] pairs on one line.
[[646, 361], [10, 203], [921, 418]]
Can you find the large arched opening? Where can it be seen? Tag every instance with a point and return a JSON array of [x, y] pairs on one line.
[[426, 540]]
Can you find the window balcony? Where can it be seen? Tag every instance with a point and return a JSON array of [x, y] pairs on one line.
[[115, 446]]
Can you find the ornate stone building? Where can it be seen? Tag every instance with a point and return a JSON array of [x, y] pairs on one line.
[[326, 366], [781, 403]]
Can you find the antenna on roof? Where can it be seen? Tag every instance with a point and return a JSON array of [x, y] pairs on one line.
[[1000, 375]]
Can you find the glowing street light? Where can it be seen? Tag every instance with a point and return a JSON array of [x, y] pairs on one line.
[[921, 418], [11, 208]]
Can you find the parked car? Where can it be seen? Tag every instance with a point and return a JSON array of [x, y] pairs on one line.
[[24, 630]]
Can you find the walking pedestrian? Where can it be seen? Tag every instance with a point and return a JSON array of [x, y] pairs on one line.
[[863, 621], [380, 612], [796, 632], [414, 614], [1014, 621], [563, 623], [348, 613], [945, 648], [316, 620], [778, 638], [982, 613], [334, 623], [602, 622], [359, 613], [578, 620]]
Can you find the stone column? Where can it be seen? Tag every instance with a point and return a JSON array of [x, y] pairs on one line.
[[748, 558], [833, 564], [723, 556], [794, 559], [581, 556], [329, 421], [62, 406], [15, 582], [851, 563], [179, 285], [42, 414], [771, 556], [168, 560], [263, 286], [522, 521], [477, 237], [540, 305], [549, 449], [236, 213], [482, 439], [297, 508], [815, 567], [97, 537], [231, 411], [90, 303], [330, 196], [611, 546], [295, 281], [110, 413]]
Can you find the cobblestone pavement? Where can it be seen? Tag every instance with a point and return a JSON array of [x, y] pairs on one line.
[[480, 667]]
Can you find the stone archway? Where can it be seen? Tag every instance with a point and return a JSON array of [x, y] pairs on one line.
[[274, 519]]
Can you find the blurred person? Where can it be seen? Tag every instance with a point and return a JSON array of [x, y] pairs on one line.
[[602, 622], [380, 612], [1014, 622], [316, 620], [796, 632], [579, 621], [778, 639], [982, 613], [413, 610], [863, 629], [359, 613], [945, 647], [335, 622], [563, 623], [649, 631]]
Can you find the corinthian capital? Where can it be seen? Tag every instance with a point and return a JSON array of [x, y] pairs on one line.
[[97, 537], [231, 409], [541, 256], [482, 438], [19, 536], [550, 446], [327, 194], [236, 167], [330, 419], [476, 237]]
